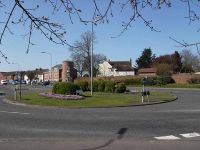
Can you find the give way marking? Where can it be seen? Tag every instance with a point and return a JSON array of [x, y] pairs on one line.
[[14, 112], [169, 137], [190, 135]]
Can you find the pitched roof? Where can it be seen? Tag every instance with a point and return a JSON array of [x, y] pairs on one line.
[[59, 66], [41, 71], [147, 70], [121, 65]]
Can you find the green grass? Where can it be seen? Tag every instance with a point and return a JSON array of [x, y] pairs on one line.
[[172, 85], [176, 85], [97, 100]]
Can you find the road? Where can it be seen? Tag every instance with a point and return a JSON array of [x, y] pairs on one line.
[[162, 126]]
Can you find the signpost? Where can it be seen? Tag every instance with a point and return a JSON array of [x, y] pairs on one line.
[[143, 91]]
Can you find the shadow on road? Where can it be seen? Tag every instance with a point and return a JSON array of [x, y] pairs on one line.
[[121, 132]]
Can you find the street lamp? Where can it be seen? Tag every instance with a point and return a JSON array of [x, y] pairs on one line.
[[50, 63], [91, 59], [19, 79]]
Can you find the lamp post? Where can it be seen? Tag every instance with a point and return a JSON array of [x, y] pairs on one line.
[[50, 64], [19, 79], [91, 60]]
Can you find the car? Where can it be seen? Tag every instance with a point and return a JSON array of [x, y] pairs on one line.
[[23, 82], [14, 82], [4, 82], [46, 83]]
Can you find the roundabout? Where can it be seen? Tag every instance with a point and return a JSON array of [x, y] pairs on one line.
[[40, 127]]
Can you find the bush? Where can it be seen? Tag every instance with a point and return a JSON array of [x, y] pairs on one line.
[[164, 70], [110, 86], [84, 85], [55, 87], [101, 86], [133, 81], [194, 80], [120, 88], [64, 88], [95, 86]]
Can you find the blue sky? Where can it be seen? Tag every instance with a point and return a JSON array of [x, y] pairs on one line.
[[170, 21]]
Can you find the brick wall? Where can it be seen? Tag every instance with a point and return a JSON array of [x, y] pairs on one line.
[[183, 77]]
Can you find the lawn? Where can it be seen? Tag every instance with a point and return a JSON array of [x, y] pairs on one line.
[[97, 100], [172, 85]]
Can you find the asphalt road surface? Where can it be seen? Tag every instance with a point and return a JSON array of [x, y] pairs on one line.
[[168, 126]]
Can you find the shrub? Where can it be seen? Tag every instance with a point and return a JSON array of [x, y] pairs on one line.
[[120, 88], [101, 86], [167, 79], [95, 86], [133, 81], [164, 70], [55, 87], [64, 88], [84, 85], [110, 86], [194, 80]]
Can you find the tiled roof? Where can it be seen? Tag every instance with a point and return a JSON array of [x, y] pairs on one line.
[[147, 70], [121, 65]]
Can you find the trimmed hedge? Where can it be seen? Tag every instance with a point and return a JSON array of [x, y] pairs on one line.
[[120, 88], [84, 85], [110, 86], [64, 88], [101, 85]]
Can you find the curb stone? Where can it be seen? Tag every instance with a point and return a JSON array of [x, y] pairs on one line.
[[133, 105]]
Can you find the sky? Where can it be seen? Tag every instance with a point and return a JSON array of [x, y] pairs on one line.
[[170, 21]]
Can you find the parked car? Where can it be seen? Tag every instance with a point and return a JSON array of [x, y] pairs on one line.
[[14, 82], [23, 82], [45, 83], [4, 82]]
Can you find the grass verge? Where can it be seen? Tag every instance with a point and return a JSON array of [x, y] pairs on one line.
[[97, 100], [173, 85]]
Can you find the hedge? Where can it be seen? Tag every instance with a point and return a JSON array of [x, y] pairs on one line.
[[64, 88]]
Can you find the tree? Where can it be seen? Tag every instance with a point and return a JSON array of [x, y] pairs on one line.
[[190, 61], [146, 59], [30, 75], [174, 60], [81, 54], [19, 12], [164, 70]]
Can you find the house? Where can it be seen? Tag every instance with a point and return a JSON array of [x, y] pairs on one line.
[[8, 75], [39, 74], [147, 72], [61, 72], [116, 68]]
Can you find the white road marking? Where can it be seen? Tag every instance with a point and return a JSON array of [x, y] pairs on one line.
[[190, 135], [10, 112], [169, 137]]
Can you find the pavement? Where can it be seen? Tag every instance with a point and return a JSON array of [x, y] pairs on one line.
[[174, 125]]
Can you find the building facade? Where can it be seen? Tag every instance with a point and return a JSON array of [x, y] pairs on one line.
[[116, 68]]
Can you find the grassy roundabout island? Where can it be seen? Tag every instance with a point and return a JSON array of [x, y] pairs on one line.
[[97, 100]]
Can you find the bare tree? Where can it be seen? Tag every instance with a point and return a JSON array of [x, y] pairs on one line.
[[19, 12], [81, 53], [190, 61]]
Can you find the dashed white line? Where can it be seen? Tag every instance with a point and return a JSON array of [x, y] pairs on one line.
[[13, 112], [190, 135], [169, 137]]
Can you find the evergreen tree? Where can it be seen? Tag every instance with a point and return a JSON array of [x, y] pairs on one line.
[[146, 59]]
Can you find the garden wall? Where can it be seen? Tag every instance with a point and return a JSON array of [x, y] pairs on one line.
[[183, 77]]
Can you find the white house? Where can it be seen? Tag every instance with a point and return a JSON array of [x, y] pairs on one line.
[[116, 68]]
